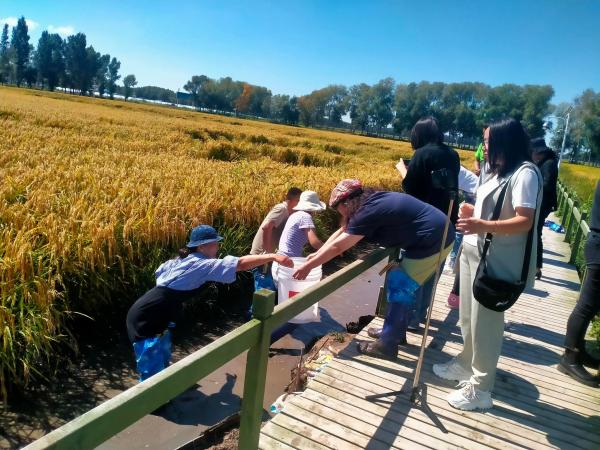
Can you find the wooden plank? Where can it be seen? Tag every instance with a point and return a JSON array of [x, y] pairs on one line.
[[385, 381], [406, 419], [373, 385], [371, 436], [268, 443], [295, 440], [333, 389], [546, 391], [323, 431], [545, 374]]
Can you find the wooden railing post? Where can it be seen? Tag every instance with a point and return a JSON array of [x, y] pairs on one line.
[[570, 218], [577, 239], [561, 197], [564, 207], [256, 373]]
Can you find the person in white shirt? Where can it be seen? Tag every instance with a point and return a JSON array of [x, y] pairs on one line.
[[509, 158]]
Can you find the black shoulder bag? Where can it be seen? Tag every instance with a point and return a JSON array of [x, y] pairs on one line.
[[493, 293]]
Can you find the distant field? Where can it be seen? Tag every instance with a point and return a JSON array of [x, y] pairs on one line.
[[95, 193], [582, 179]]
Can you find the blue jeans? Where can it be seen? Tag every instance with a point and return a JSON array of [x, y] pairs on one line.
[[152, 354], [401, 290]]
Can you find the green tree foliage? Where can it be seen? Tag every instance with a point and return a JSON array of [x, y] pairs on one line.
[[76, 59], [285, 109], [589, 104], [324, 106], [359, 106], [381, 104], [4, 55], [50, 59], [20, 50], [226, 94], [583, 137], [155, 93], [113, 76], [129, 82], [463, 108], [102, 75]]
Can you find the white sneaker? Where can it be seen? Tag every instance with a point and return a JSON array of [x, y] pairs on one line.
[[469, 398], [452, 370]]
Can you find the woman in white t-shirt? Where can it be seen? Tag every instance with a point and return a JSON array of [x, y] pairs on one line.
[[507, 151]]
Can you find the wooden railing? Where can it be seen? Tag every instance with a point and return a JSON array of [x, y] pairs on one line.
[[572, 218], [99, 424]]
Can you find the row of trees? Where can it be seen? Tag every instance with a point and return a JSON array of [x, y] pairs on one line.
[[583, 137], [462, 108], [69, 63]]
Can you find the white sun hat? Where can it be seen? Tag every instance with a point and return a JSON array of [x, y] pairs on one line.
[[309, 201]]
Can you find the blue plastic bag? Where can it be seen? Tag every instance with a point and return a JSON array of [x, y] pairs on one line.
[[152, 354], [263, 280], [554, 226], [401, 288]]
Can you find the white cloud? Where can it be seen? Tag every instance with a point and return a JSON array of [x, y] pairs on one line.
[[12, 22], [64, 31]]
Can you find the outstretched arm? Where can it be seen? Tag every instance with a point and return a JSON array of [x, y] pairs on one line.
[[329, 251], [251, 261]]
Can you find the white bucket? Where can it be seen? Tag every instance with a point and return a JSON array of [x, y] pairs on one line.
[[287, 287]]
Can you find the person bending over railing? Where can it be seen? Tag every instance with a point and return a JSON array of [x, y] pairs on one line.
[[178, 280], [390, 219]]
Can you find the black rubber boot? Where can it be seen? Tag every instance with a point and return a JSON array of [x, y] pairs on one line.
[[378, 350], [570, 365]]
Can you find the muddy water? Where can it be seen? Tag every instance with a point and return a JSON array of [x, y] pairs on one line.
[[219, 395]]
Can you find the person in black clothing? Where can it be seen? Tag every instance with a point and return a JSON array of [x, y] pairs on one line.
[[431, 154], [547, 162], [588, 305]]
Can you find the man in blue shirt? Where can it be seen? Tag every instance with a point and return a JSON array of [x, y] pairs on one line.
[[177, 280], [390, 219]]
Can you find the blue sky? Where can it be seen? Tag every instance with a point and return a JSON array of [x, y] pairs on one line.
[[296, 46]]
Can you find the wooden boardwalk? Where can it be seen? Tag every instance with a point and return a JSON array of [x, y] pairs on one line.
[[535, 405]]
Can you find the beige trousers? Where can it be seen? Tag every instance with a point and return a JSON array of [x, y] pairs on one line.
[[482, 329]]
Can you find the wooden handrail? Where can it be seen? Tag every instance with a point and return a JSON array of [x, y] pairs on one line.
[[573, 220]]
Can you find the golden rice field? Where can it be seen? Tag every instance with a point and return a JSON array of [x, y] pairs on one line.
[[95, 193], [581, 179]]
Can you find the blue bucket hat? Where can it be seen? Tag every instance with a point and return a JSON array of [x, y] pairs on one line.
[[203, 234]]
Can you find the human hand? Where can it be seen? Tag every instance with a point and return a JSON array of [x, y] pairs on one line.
[[465, 210], [401, 167], [284, 261], [302, 272], [470, 225]]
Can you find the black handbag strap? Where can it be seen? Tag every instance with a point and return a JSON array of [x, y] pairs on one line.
[[495, 215]]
